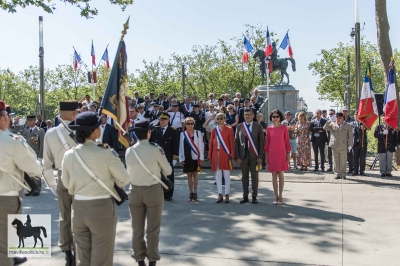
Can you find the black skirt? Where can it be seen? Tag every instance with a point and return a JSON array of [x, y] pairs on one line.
[[190, 164]]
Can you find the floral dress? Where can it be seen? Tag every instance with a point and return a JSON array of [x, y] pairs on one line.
[[303, 144]]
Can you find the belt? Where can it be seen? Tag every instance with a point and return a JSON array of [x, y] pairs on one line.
[[81, 197], [10, 193]]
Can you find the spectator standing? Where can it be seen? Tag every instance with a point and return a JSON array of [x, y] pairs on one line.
[[277, 152], [360, 145], [137, 98], [332, 115], [387, 144], [350, 159], [177, 118], [291, 125], [191, 155], [232, 118], [318, 139], [303, 141]]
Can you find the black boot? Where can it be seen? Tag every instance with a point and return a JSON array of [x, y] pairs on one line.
[[152, 263], [69, 258], [141, 263]]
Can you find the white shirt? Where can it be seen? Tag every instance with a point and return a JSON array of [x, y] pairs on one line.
[[209, 114], [176, 119], [141, 116]]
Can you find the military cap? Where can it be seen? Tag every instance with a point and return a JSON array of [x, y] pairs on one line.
[[196, 105], [345, 109], [68, 105], [247, 100], [140, 105], [156, 105], [339, 114], [31, 117], [86, 121], [164, 116], [151, 93], [8, 109], [2, 105], [141, 126], [175, 105]]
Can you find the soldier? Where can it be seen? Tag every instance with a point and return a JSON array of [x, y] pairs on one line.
[[168, 138], [341, 141], [177, 118], [360, 145], [146, 197], [56, 142], [387, 144], [94, 217], [16, 158], [199, 118], [35, 138]]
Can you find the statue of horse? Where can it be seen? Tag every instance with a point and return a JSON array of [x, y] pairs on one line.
[[28, 231], [279, 64]]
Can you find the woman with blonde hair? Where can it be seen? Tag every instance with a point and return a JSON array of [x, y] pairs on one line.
[[303, 141], [191, 155]]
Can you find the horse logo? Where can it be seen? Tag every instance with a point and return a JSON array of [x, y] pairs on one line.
[[24, 231]]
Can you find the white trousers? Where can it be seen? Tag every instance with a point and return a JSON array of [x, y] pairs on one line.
[[218, 177]]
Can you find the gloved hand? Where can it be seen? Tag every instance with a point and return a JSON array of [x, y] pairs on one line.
[[174, 162], [350, 148], [53, 189], [385, 132]]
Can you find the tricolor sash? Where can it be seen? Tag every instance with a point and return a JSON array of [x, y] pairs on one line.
[[249, 137], [224, 146], [187, 110], [193, 147]]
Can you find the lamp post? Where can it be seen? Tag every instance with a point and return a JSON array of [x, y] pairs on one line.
[[41, 65], [357, 51]]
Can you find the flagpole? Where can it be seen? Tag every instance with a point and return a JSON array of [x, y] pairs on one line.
[[267, 72], [357, 52], [92, 81], [83, 63]]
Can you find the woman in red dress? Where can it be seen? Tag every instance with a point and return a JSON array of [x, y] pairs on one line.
[[277, 152], [221, 154]]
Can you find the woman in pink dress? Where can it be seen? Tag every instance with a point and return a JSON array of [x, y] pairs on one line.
[[277, 152]]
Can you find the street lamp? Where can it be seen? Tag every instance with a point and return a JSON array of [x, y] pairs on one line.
[[41, 65]]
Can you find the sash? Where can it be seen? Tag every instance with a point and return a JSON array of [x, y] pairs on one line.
[[194, 148], [222, 143], [187, 110], [249, 137]]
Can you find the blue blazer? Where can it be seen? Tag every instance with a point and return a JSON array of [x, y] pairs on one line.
[[110, 136]]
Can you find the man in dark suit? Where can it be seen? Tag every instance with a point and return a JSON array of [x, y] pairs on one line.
[[109, 135], [168, 138], [387, 145], [187, 107], [259, 98], [247, 155], [318, 138], [137, 98], [246, 106], [42, 124], [360, 145]]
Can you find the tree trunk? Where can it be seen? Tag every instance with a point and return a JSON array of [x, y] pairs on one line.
[[385, 48]]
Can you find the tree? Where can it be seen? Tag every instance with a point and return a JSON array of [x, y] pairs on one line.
[[49, 6]]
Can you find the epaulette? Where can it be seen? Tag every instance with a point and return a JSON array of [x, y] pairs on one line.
[[20, 138], [157, 126], [106, 146], [173, 128], [158, 146]]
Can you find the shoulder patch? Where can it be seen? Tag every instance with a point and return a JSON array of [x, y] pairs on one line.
[[106, 146]]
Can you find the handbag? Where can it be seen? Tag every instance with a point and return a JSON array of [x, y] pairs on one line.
[[164, 181], [121, 195]]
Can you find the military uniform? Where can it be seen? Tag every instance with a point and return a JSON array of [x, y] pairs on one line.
[[146, 196], [53, 153], [199, 120], [387, 144], [15, 159], [94, 218], [341, 139], [168, 139], [177, 118], [35, 139], [360, 145]]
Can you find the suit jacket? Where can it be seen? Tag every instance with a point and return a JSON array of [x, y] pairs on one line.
[[241, 139], [42, 124], [110, 136], [359, 135], [315, 128], [35, 139], [241, 114], [385, 144], [138, 100], [341, 137], [260, 99], [186, 110], [169, 141]]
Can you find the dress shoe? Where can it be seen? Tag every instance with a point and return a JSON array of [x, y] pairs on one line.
[[141, 263], [220, 199], [383, 175], [354, 173], [168, 199], [244, 200], [69, 258], [254, 200], [337, 177], [329, 169], [152, 263], [389, 175], [349, 172], [28, 194], [343, 177], [18, 260], [363, 174], [322, 170], [315, 170]]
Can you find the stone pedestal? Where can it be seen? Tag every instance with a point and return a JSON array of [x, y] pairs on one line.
[[282, 97]]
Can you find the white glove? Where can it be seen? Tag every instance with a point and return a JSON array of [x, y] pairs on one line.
[[385, 132], [350, 148], [333, 119], [174, 162], [53, 189], [150, 109]]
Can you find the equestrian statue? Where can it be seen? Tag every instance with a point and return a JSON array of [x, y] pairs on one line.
[[277, 64]]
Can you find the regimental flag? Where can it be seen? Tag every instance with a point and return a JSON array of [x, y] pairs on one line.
[[105, 58], [115, 99], [367, 110], [92, 77], [286, 44], [390, 110], [268, 47], [247, 49], [93, 55], [77, 60]]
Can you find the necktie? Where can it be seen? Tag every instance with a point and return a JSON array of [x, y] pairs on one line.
[[30, 131], [163, 131], [102, 126]]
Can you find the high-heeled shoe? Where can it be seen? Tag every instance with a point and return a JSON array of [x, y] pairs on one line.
[[194, 197], [279, 201], [226, 198], [276, 200], [220, 198], [190, 199]]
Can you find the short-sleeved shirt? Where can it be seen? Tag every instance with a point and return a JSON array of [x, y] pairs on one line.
[[292, 135]]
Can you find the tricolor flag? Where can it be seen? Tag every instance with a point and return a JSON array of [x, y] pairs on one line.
[[93, 55], [268, 47], [77, 60], [105, 58], [390, 110], [367, 110], [286, 44], [247, 49]]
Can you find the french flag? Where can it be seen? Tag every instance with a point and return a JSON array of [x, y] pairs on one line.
[[105, 58], [390, 110], [247, 49], [286, 44], [367, 110], [268, 47], [77, 60], [93, 55]]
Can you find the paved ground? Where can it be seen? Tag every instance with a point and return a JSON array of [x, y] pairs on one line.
[[323, 222]]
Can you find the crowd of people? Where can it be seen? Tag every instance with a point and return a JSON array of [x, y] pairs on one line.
[[83, 147]]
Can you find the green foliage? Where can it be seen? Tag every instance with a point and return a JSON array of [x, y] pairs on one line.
[[49, 6]]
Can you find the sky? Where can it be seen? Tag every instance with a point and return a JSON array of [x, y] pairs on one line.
[[159, 28]]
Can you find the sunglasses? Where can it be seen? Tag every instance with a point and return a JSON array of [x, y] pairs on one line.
[[189, 124], [275, 116], [220, 118]]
